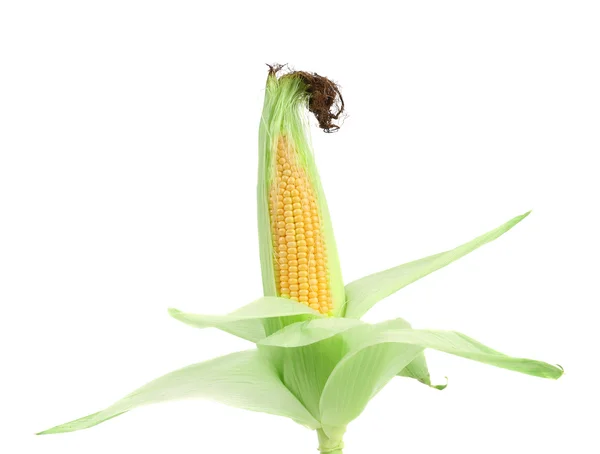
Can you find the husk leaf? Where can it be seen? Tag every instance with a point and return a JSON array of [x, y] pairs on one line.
[[249, 321], [244, 380], [364, 293], [382, 352]]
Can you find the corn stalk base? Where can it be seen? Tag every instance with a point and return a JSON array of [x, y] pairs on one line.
[[328, 445]]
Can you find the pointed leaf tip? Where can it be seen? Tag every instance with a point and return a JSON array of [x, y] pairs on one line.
[[560, 372], [523, 216], [441, 387]]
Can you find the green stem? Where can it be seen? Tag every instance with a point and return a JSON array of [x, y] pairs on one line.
[[330, 445]]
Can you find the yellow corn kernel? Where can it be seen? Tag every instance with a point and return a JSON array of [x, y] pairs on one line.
[[297, 233]]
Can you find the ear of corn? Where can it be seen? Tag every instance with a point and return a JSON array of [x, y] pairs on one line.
[[298, 253], [316, 363]]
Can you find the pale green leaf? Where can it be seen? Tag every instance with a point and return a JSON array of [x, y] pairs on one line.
[[358, 377], [383, 353], [305, 353], [305, 369], [363, 294], [244, 380], [461, 345], [417, 368], [249, 321], [309, 332]]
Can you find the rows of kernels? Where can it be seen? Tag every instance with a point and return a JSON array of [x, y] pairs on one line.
[[300, 251]]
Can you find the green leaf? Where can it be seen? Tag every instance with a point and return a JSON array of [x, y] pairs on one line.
[[309, 332], [249, 321], [384, 352], [305, 353], [464, 346], [363, 294], [417, 368], [360, 375], [244, 380], [304, 370]]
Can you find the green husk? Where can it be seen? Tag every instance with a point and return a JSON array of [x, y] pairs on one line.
[[243, 380], [318, 371], [364, 293], [417, 369], [384, 350], [249, 321]]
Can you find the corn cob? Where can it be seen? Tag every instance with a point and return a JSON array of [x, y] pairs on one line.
[[300, 250], [300, 259]]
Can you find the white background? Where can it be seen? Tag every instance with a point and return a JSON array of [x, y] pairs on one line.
[[128, 135]]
